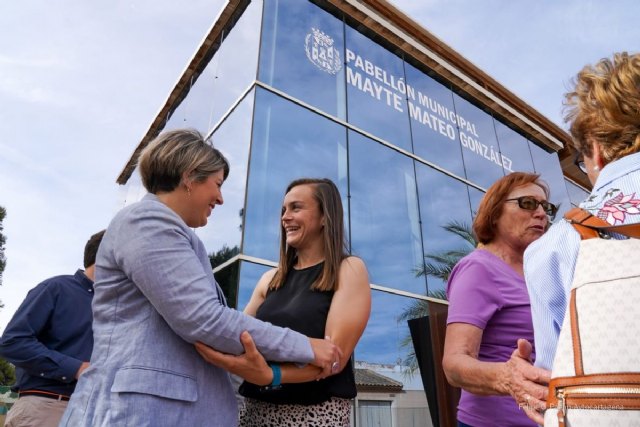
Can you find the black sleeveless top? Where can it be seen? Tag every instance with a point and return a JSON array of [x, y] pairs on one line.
[[296, 306]]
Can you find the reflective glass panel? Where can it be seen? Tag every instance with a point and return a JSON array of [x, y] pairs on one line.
[[514, 150], [133, 190], [480, 149], [228, 73], [250, 273], [433, 121], [548, 166], [178, 118], [284, 149], [232, 139], [576, 193], [227, 277], [302, 54], [386, 339], [385, 230], [446, 220], [226, 76], [475, 196], [376, 90]]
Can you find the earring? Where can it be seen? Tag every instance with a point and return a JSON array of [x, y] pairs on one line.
[[596, 168], [188, 191]]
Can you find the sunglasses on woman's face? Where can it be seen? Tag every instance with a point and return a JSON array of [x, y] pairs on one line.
[[530, 203], [578, 160]]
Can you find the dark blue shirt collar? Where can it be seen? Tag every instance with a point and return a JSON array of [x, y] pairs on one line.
[[83, 280]]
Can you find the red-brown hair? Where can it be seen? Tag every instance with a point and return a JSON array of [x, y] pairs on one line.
[[491, 205]]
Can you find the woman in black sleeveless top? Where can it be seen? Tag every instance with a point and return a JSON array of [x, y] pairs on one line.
[[318, 290]]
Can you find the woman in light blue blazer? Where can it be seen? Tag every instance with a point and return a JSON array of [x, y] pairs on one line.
[[155, 296]]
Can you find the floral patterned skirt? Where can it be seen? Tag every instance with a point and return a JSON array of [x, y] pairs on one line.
[[335, 412]]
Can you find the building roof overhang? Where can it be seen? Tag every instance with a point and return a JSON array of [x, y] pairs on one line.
[[209, 46], [396, 29]]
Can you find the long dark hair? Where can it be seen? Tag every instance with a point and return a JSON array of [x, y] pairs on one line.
[[327, 195]]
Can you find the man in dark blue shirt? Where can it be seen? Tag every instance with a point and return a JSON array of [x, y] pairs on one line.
[[49, 340]]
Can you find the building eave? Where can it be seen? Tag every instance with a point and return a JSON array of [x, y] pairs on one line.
[[399, 30], [209, 46], [407, 36]]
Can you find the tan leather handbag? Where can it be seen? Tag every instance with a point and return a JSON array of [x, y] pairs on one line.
[[595, 379]]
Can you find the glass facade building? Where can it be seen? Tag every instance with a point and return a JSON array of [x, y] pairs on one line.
[[295, 88]]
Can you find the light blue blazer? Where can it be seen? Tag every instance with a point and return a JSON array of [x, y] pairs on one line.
[[155, 296]]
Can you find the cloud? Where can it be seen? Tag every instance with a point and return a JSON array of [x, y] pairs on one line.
[[14, 159], [45, 63], [26, 79], [532, 48], [28, 92], [79, 84]]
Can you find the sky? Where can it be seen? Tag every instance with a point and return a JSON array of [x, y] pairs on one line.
[[80, 83]]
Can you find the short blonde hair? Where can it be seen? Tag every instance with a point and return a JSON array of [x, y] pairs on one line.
[[604, 107], [164, 161]]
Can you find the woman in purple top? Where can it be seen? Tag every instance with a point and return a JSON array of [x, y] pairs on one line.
[[489, 310]]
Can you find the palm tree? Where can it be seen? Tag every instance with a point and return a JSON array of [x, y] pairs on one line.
[[441, 264], [437, 265]]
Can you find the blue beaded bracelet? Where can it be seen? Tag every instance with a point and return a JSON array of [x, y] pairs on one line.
[[277, 374]]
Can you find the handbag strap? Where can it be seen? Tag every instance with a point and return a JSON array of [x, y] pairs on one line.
[[590, 226], [575, 334]]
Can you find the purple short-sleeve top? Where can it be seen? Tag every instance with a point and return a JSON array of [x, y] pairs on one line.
[[486, 292]]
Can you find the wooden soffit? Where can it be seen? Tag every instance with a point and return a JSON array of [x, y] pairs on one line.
[[209, 46], [397, 29]]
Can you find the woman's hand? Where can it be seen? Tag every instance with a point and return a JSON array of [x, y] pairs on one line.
[[250, 365], [327, 356], [516, 377], [526, 383]]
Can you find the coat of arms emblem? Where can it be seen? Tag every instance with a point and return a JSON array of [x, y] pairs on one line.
[[321, 52]]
